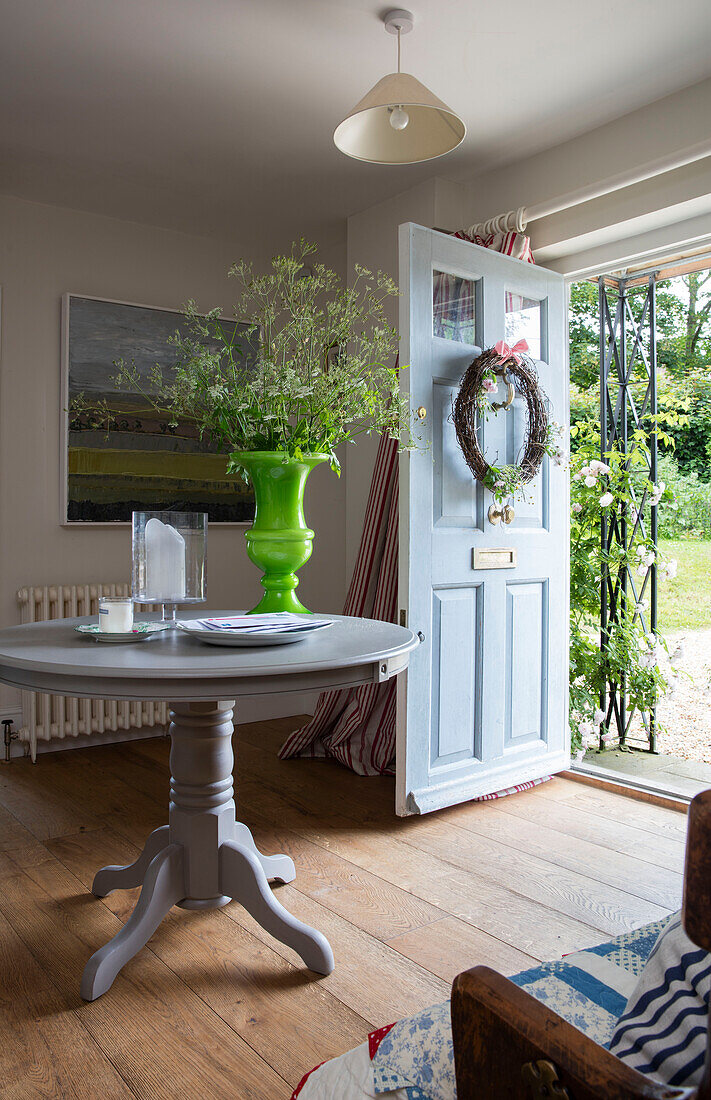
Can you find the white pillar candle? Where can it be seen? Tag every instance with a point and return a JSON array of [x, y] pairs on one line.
[[165, 562], [115, 614]]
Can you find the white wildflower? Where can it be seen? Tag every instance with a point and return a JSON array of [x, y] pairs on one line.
[[606, 499]]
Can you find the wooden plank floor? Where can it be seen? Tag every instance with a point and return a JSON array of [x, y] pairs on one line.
[[213, 1007]]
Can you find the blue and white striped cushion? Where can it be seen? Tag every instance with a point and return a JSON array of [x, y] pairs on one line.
[[662, 1031]]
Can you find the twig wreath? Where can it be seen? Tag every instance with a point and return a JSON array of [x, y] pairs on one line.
[[474, 401]]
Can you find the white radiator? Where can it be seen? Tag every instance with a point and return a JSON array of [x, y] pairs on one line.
[[54, 717]]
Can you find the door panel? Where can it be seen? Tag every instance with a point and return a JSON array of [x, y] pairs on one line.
[[455, 490], [484, 704], [526, 659], [454, 695]]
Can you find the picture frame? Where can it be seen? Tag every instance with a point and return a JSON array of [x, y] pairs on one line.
[[141, 461]]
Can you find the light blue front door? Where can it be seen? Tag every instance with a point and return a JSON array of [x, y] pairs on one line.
[[484, 704]]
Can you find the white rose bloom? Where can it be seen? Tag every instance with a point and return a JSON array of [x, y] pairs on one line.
[[577, 507], [671, 568], [641, 551], [606, 499], [590, 482], [598, 717]]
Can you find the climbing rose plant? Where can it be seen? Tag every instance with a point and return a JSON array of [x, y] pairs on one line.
[[611, 486]]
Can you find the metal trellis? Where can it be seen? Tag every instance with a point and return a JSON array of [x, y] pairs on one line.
[[628, 406]]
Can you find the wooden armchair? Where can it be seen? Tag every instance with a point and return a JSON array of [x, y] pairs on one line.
[[508, 1046]]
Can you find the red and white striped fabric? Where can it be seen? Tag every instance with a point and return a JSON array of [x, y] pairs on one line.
[[517, 245], [357, 726]]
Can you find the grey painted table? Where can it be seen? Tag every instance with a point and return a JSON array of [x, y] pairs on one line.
[[203, 858]]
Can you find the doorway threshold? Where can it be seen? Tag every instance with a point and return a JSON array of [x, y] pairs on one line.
[[657, 774]]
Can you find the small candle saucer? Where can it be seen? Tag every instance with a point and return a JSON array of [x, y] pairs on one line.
[[140, 633]]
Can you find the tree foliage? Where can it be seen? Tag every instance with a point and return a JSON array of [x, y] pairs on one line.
[[684, 365]]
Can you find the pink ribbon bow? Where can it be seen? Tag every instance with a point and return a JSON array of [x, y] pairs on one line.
[[504, 352]]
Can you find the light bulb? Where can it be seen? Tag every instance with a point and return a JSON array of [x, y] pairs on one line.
[[399, 118]]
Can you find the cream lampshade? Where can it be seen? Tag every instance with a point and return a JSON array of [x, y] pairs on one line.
[[399, 121]]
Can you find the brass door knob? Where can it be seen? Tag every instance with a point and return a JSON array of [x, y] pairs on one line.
[[421, 412], [501, 515]]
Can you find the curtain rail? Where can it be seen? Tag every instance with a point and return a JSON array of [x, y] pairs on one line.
[[517, 220]]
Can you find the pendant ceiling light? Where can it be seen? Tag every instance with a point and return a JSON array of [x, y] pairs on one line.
[[399, 121]]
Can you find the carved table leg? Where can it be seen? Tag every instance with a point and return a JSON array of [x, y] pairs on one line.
[[280, 868], [204, 858], [124, 878], [242, 876], [162, 888]]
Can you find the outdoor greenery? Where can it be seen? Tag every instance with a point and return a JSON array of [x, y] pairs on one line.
[[603, 487], [685, 601], [682, 493], [312, 368]]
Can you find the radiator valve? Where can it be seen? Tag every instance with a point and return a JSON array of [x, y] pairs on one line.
[[8, 736]]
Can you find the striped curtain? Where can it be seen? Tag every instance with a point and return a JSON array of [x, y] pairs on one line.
[[517, 245], [357, 726]]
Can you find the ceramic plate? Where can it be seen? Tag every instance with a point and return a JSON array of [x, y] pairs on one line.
[[247, 638], [140, 633]]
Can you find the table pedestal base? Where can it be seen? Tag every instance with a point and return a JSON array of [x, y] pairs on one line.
[[204, 858]]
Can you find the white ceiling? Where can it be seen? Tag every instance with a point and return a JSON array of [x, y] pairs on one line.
[[216, 116]]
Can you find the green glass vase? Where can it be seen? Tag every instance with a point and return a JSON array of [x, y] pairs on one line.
[[279, 542]]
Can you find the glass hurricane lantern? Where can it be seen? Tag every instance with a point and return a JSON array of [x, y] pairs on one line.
[[169, 559]]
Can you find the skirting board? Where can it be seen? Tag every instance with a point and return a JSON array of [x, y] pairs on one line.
[[253, 708]]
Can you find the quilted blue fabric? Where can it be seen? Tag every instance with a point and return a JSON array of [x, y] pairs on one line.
[[589, 989]]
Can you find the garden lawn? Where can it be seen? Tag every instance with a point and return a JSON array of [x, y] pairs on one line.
[[685, 602]]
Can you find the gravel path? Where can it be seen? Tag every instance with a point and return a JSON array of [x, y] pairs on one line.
[[686, 711]]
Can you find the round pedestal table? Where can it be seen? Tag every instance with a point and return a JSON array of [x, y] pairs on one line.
[[203, 858]]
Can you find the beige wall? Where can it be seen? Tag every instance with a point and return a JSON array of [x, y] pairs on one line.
[[44, 252]]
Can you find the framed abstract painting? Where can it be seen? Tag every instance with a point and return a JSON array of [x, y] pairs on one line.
[[138, 460]]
